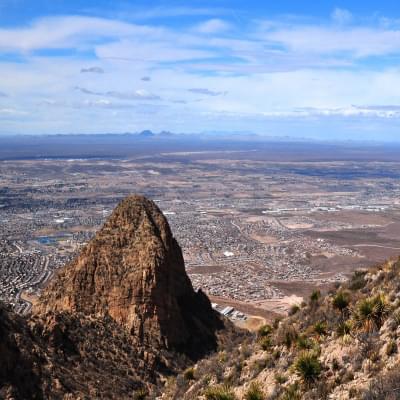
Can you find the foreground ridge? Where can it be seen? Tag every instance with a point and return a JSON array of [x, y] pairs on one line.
[[339, 346]]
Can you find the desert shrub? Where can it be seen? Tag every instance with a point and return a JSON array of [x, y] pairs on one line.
[[343, 328], [265, 343], [307, 366], [258, 365], [140, 394], [371, 312], [391, 348], [280, 379], [220, 392], [292, 392], [396, 317], [287, 335], [384, 387], [276, 354], [357, 281], [265, 330], [341, 301], [254, 392], [320, 328], [189, 374], [294, 309], [303, 342], [315, 296]]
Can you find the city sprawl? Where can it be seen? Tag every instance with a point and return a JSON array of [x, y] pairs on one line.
[[256, 234]]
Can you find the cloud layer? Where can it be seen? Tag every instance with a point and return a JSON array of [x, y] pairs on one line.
[[270, 75]]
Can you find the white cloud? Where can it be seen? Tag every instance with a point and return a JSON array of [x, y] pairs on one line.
[[207, 74], [341, 16], [211, 26], [138, 94]]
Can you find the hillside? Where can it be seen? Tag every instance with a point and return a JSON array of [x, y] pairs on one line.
[[116, 322], [342, 346]]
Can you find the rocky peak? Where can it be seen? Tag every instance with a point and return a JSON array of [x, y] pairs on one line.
[[133, 271]]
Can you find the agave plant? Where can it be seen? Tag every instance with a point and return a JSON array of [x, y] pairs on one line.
[[341, 301], [370, 313], [307, 366]]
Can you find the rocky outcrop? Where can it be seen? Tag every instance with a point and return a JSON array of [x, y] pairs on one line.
[[133, 271]]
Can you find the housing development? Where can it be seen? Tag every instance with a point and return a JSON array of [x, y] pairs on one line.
[[257, 234]]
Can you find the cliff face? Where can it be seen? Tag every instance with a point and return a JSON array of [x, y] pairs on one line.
[[133, 271]]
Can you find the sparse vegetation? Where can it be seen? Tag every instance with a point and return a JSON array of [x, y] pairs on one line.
[[307, 366], [254, 392], [220, 392], [140, 394], [391, 348], [371, 312], [265, 343], [343, 328], [189, 374], [292, 392], [315, 296], [357, 281], [341, 300], [303, 342], [265, 330], [320, 328]]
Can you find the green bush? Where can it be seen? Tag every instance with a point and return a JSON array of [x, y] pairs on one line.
[[320, 328], [315, 296], [307, 366], [265, 343], [391, 348], [140, 394], [343, 328], [220, 392], [370, 313], [254, 392], [341, 301], [189, 374], [303, 342], [292, 392], [265, 330], [357, 281], [280, 379]]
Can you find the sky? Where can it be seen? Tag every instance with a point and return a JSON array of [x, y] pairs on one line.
[[304, 69]]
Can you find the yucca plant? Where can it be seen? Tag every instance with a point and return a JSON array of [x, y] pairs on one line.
[[320, 328], [341, 301], [343, 328], [303, 342], [220, 392], [370, 313], [292, 392], [140, 394], [315, 296], [307, 366], [254, 392]]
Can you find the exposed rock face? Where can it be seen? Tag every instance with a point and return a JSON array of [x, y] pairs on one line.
[[133, 271]]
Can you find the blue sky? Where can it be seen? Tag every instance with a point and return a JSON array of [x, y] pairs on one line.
[[328, 70]]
